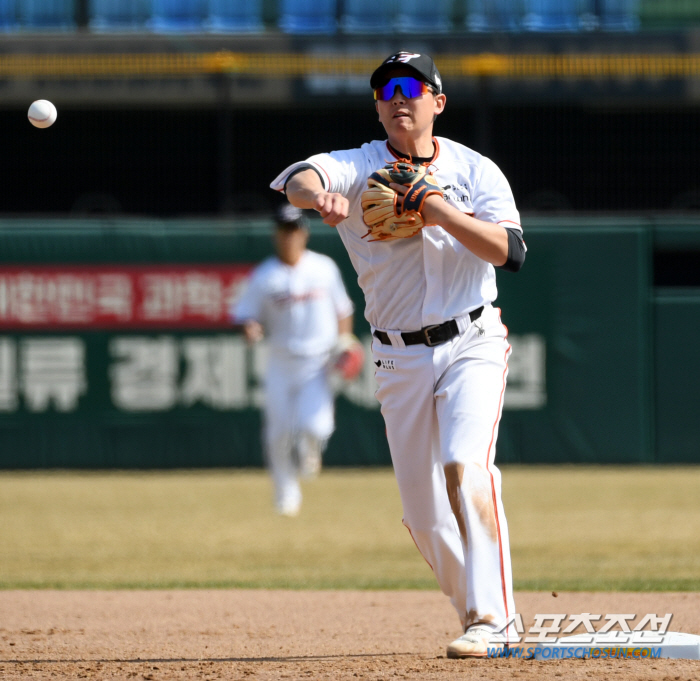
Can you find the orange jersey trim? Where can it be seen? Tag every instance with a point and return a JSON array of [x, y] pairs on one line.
[[511, 222], [436, 153], [493, 485], [328, 177]]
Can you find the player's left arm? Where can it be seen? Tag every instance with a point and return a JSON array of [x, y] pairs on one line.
[[342, 304], [345, 325], [486, 240], [495, 235], [349, 354], [253, 331], [248, 311]]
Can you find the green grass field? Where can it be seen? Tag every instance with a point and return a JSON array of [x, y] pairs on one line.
[[572, 528]]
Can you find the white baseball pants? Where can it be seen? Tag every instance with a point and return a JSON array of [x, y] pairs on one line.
[[442, 407], [298, 410]]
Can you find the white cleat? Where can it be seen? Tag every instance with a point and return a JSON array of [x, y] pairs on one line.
[[476, 642], [289, 509]]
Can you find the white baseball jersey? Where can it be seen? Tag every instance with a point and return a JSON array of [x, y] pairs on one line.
[[299, 305], [427, 279]]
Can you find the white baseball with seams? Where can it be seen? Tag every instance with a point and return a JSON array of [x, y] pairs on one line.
[[42, 113]]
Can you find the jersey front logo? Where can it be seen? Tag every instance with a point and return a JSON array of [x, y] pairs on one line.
[[286, 299], [459, 193]]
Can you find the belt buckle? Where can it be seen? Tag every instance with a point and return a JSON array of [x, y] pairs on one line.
[[426, 332]]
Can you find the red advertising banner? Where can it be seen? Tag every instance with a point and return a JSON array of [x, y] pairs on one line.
[[119, 296]]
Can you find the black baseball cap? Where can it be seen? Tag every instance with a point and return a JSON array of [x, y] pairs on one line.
[[290, 217], [421, 63]]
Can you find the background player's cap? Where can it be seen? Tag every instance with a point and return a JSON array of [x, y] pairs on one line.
[[290, 217], [421, 63]]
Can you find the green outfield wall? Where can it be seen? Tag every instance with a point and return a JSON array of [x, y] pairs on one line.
[[115, 351]]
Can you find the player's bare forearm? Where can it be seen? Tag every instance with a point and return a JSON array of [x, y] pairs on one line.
[[253, 331], [345, 325], [486, 240], [304, 190]]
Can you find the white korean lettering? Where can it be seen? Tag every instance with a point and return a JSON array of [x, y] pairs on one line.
[[145, 376], [215, 372], [8, 375], [655, 623], [658, 627], [29, 298], [52, 372], [163, 297], [115, 296], [74, 298], [512, 628], [526, 373], [543, 631], [612, 620], [586, 619], [203, 294]]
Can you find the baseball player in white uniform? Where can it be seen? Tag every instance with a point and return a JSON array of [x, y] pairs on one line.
[[439, 346], [296, 299]]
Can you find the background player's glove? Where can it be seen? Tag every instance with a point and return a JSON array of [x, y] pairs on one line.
[[387, 214], [349, 357]]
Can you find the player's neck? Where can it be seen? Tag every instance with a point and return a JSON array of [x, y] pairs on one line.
[[291, 259], [420, 148]]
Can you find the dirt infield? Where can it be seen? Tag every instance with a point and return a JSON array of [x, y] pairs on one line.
[[257, 634]]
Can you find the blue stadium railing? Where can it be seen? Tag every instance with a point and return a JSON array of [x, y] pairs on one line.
[[52, 15], [119, 15], [300, 16], [347, 16]]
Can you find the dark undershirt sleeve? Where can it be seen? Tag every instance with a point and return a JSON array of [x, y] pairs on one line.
[[301, 169], [516, 251]]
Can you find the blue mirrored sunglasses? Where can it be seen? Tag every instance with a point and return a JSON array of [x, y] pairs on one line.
[[409, 86]]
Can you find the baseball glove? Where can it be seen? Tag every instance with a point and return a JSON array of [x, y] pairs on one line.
[[389, 215], [349, 357]]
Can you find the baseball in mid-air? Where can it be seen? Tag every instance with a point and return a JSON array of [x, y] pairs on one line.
[[42, 113]]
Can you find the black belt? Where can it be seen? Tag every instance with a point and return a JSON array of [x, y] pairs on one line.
[[430, 335]]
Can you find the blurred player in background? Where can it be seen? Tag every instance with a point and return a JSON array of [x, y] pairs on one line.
[[298, 301]]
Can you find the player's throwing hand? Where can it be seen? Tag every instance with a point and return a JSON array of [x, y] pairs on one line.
[[334, 208]]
